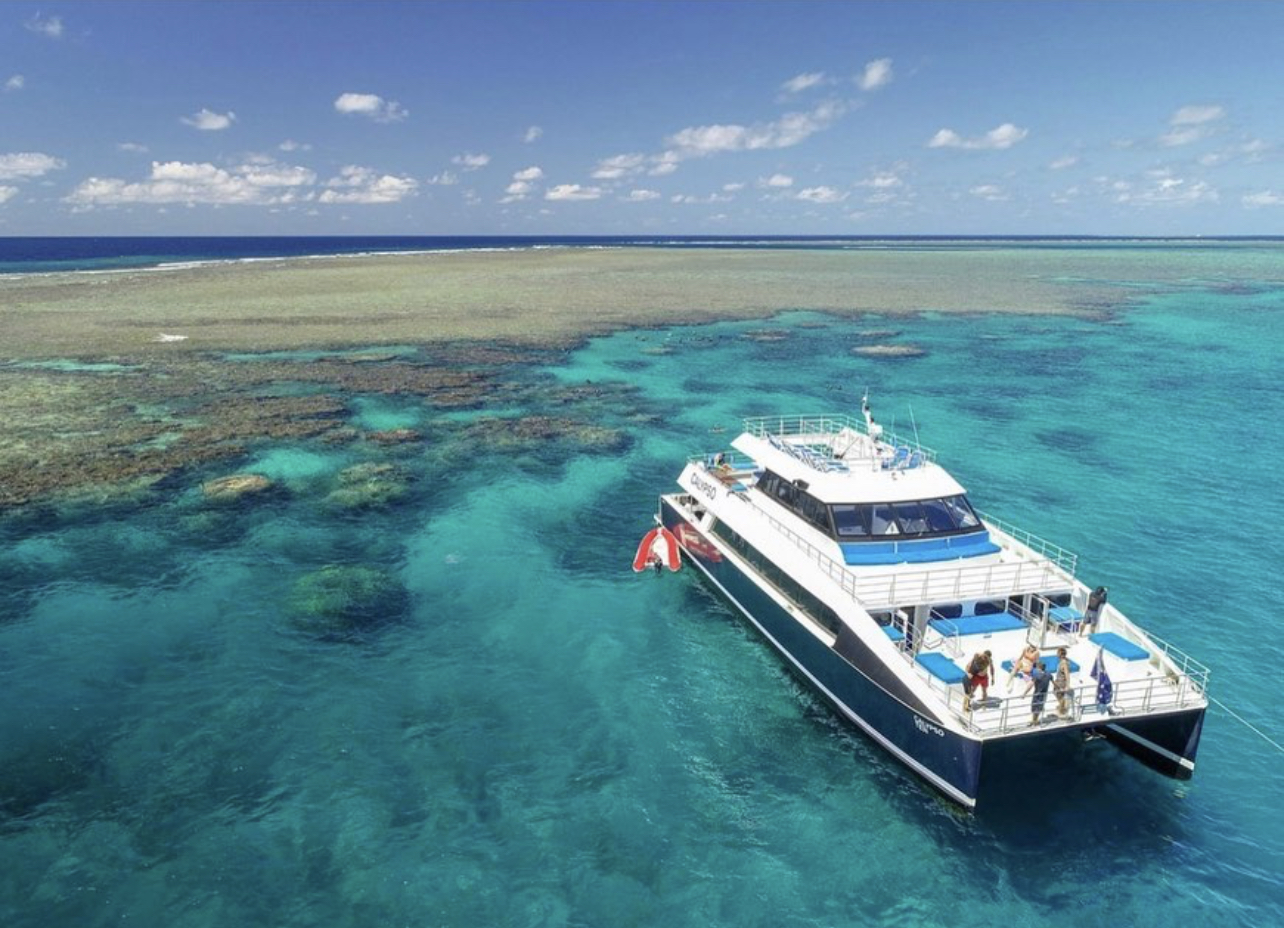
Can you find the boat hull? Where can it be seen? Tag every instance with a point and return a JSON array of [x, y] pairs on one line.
[[1166, 743], [945, 759]]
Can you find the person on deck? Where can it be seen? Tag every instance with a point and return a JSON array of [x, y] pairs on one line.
[[1061, 683], [1039, 679], [980, 671], [1023, 666], [1096, 601]]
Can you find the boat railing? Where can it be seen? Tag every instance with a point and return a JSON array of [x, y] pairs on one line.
[[1178, 661], [732, 461], [829, 426], [954, 584], [1067, 560], [1007, 713]]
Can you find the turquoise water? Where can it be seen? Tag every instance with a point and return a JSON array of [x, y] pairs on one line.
[[525, 733]]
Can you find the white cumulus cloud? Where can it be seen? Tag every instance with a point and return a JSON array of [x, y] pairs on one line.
[[292, 145], [361, 185], [50, 28], [17, 82], [572, 192], [785, 132], [990, 192], [23, 165], [133, 148], [618, 166], [209, 121], [821, 195], [803, 82], [1190, 124], [1066, 161], [532, 133], [641, 195], [444, 179], [998, 138], [1162, 188], [523, 184], [776, 180], [193, 183], [7, 193], [878, 73], [881, 180], [470, 162], [370, 105], [1251, 200]]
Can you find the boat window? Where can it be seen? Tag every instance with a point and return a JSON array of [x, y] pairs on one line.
[[851, 521], [988, 608], [883, 520], [962, 512], [952, 611], [778, 578], [940, 517], [911, 519], [796, 500]]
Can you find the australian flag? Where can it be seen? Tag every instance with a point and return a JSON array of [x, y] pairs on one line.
[[1105, 689]]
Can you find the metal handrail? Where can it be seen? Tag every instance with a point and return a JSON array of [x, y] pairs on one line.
[[884, 589], [1128, 698], [828, 424], [1067, 560]]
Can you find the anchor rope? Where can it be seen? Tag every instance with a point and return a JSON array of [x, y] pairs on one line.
[[1246, 723]]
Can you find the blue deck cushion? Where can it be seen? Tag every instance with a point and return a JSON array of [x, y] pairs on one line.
[[1065, 617], [1049, 662], [918, 551], [1120, 647], [941, 667], [893, 633], [976, 624]]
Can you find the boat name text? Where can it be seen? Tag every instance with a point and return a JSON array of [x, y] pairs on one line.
[[704, 486], [928, 728]]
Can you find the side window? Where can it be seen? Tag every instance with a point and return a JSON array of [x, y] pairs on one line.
[[851, 521], [911, 519], [882, 520], [939, 516], [951, 611], [988, 608], [962, 512]]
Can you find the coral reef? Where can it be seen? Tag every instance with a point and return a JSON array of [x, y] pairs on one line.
[[343, 600]]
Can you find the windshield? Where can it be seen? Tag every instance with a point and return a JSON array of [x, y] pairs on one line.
[[949, 515]]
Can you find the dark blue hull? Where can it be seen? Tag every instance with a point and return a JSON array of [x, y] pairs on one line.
[[857, 687], [1166, 743]]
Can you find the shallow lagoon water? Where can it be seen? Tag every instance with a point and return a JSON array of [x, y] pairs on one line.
[[539, 737]]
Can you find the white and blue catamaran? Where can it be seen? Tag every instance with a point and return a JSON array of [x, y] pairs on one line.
[[861, 560]]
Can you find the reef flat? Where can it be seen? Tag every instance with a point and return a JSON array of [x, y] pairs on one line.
[[539, 296], [117, 381]]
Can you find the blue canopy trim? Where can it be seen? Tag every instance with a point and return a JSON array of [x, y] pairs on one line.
[[920, 551]]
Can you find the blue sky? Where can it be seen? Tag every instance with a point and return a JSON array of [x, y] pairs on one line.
[[612, 118]]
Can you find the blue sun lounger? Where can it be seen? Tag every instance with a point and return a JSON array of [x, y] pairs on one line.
[[976, 624], [941, 667], [1119, 646]]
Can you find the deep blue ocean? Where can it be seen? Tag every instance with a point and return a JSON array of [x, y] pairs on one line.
[[19, 255], [539, 737]]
